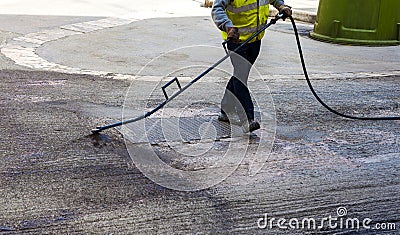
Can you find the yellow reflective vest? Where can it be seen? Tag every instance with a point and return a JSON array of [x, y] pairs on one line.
[[248, 16]]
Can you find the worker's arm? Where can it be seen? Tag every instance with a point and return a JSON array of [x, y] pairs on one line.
[[219, 16], [277, 3]]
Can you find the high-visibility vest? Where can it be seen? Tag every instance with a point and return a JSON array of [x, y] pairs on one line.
[[248, 16]]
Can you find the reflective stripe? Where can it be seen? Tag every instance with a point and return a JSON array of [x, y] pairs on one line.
[[248, 16], [248, 7], [247, 30]]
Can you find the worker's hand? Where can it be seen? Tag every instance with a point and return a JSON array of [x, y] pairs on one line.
[[233, 34], [285, 10]]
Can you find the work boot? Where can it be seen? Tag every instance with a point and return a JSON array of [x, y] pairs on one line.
[[222, 117], [250, 126]]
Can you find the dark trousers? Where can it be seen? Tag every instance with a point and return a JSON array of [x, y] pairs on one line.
[[237, 96]]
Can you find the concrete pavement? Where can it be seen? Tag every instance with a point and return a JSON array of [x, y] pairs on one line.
[[66, 46], [130, 51], [22, 50]]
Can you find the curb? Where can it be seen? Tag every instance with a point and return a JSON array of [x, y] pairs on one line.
[[304, 16]]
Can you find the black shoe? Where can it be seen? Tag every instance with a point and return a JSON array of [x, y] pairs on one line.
[[250, 126], [222, 117]]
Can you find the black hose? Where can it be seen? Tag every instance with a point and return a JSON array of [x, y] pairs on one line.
[[315, 93]]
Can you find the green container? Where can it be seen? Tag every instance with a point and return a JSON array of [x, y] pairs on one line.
[[365, 22]]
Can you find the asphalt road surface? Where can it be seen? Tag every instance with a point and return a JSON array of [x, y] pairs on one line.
[[58, 178]]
